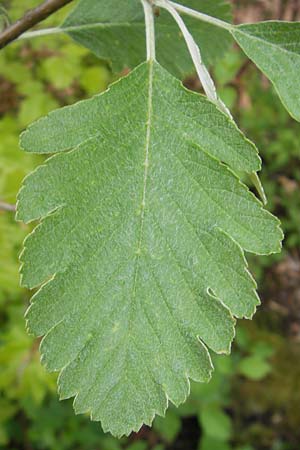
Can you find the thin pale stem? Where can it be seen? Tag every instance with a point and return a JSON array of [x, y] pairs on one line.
[[259, 187], [7, 207], [194, 50], [201, 16], [39, 33], [203, 73], [150, 29]]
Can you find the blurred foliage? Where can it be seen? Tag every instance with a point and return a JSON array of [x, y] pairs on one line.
[[252, 402]]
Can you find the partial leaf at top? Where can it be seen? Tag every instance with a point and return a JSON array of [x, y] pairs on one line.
[[140, 247], [275, 48], [115, 30]]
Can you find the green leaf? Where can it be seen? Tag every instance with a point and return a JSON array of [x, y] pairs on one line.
[[168, 427], [141, 243], [115, 31], [215, 423], [275, 48], [262, 349], [254, 367]]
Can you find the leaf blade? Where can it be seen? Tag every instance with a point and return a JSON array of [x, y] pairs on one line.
[[145, 264]]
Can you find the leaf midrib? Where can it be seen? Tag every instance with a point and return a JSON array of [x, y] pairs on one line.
[[104, 25], [145, 178]]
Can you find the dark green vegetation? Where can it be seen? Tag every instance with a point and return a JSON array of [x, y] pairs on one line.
[[253, 399]]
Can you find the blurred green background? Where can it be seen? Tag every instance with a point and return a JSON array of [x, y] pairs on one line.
[[253, 400]]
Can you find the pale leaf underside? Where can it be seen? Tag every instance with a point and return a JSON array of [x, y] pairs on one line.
[[143, 226]]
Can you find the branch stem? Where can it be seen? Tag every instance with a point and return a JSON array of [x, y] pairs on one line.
[[31, 18]]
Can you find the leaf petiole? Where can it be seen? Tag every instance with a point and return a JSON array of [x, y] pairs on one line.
[[150, 29], [202, 72], [201, 16], [39, 33]]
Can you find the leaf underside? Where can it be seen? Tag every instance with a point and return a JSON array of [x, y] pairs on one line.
[[115, 31], [275, 48], [140, 246]]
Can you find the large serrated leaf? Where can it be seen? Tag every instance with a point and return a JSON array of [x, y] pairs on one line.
[[275, 48], [142, 235], [115, 31]]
